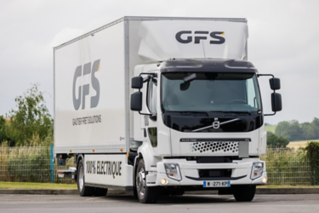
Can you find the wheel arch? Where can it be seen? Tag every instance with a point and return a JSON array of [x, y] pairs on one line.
[[78, 158]]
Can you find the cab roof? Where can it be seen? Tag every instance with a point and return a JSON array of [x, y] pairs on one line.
[[207, 65]]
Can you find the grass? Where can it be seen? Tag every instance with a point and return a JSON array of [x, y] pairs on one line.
[[24, 185], [270, 129]]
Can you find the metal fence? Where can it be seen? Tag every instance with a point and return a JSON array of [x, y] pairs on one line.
[[30, 164], [33, 164], [289, 167]]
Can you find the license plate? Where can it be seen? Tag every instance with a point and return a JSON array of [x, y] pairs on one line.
[[207, 184]]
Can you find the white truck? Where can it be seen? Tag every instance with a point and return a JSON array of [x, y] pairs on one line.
[[162, 105]]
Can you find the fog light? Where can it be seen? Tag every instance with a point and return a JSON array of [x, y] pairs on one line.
[[164, 181], [264, 180]]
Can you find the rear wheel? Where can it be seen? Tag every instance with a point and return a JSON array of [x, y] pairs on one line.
[[83, 190], [244, 193], [145, 194]]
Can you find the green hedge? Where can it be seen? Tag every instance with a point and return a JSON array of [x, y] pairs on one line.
[[313, 155]]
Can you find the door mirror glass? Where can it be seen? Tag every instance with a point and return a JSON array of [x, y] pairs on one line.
[[152, 97], [276, 104], [136, 101], [274, 83], [137, 82]]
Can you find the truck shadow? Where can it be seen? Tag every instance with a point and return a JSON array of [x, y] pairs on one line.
[[185, 199]]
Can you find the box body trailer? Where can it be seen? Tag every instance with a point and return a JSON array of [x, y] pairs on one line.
[[160, 105]]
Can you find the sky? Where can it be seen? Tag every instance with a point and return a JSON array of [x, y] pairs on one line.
[[283, 40]]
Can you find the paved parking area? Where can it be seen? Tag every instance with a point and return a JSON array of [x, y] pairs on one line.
[[186, 203]]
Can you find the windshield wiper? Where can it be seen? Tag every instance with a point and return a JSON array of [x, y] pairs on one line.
[[234, 112], [194, 112]]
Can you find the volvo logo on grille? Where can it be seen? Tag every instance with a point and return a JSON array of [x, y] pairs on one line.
[[216, 124]]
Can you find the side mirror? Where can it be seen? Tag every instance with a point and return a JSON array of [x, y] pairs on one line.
[[137, 82], [136, 101], [276, 104], [274, 83]]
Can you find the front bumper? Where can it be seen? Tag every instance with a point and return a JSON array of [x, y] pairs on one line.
[[240, 175]]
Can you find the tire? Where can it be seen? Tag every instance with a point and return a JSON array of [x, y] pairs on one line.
[[135, 192], [244, 193], [100, 192], [145, 194], [83, 190]]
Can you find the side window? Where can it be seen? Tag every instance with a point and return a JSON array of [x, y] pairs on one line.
[[251, 99], [152, 95]]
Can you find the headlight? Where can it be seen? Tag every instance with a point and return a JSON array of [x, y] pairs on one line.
[[257, 170], [172, 170]]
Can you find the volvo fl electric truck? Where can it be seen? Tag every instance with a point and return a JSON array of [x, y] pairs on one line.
[[162, 105]]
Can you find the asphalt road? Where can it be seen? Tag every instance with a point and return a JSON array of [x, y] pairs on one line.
[[186, 203]]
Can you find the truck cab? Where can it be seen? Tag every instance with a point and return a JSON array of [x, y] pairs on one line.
[[199, 124]]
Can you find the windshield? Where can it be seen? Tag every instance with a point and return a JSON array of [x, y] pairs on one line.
[[224, 92]]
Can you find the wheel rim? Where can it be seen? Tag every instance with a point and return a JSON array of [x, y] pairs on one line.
[[81, 178], [140, 183]]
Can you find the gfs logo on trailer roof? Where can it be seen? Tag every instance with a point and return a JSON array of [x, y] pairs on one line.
[[186, 37]]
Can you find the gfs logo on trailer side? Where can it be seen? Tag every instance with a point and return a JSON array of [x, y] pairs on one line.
[[84, 90], [185, 37]]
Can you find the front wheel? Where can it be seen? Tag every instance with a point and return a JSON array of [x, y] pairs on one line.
[[145, 194], [244, 193]]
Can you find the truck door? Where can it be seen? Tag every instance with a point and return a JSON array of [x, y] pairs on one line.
[[150, 121]]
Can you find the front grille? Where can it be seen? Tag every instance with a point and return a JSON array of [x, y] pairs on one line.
[[208, 173], [215, 147]]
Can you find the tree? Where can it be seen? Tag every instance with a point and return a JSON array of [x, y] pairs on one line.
[[308, 131], [31, 119], [282, 129], [295, 131], [273, 141], [315, 126], [3, 135], [290, 130]]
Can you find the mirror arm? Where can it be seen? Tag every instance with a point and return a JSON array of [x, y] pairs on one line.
[[274, 91], [270, 114], [141, 113], [153, 117], [266, 75], [152, 74]]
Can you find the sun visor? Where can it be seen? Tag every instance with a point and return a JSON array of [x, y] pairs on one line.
[[161, 40]]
